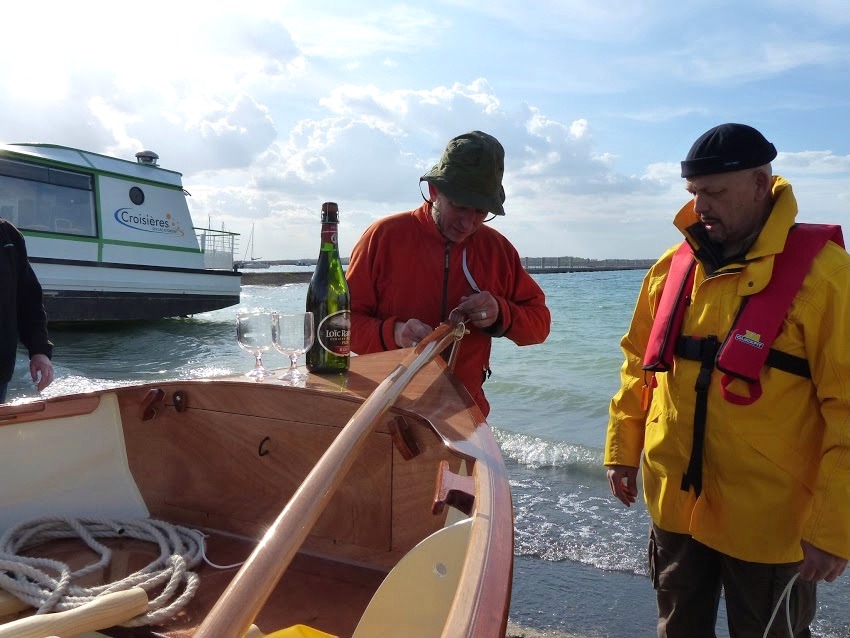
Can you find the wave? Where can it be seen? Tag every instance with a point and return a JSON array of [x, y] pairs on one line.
[[563, 509], [536, 452], [556, 519]]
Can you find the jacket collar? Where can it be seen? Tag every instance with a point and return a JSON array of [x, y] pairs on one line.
[[429, 226], [771, 239], [758, 262]]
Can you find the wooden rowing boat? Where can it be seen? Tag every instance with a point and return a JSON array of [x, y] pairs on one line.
[[373, 504]]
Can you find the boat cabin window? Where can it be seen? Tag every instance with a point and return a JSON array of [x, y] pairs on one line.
[[35, 197]]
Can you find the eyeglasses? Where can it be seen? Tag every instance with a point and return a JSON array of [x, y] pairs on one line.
[[483, 214], [491, 217]]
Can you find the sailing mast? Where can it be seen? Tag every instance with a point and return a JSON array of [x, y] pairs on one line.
[[249, 249], [249, 261]]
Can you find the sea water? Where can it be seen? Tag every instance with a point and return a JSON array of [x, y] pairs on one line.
[[580, 556]]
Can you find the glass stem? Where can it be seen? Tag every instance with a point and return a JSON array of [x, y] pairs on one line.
[[293, 359], [259, 361]]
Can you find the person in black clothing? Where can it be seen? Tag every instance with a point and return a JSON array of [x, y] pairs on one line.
[[22, 313]]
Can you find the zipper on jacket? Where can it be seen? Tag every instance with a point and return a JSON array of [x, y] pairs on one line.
[[446, 282]]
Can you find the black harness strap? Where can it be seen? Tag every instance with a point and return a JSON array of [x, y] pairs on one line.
[[705, 350], [788, 363], [691, 348]]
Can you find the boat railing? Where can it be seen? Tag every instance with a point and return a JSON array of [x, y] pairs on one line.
[[235, 611], [218, 247]]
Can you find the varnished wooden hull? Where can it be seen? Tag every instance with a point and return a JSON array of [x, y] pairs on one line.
[[227, 455]]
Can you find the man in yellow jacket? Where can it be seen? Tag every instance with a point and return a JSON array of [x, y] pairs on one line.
[[747, 480]]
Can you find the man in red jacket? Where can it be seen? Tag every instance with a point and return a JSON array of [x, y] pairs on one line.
[[410, 270]]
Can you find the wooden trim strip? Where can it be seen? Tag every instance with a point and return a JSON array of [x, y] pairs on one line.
[[39, 410]]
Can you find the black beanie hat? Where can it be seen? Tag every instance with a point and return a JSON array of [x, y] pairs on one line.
[[727, 148]]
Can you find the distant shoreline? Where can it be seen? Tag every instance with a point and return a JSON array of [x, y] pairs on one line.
[[250, 278], [557, 269]]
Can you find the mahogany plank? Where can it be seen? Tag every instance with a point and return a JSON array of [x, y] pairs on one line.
[[249, 468]]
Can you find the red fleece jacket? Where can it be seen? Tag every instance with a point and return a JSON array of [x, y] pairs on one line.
[[403, 268]]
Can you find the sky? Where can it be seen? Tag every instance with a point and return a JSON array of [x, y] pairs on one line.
[[269, 109]]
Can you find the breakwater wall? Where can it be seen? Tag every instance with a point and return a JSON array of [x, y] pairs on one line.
[[543, 271], [581, 264], [533, 265]]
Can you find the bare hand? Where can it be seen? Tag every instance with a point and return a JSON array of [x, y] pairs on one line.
[[481, 308], [820, 565], [409, 333], [625, 491], [41, 365]]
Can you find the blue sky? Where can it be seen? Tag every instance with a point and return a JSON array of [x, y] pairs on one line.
[[270, 108]]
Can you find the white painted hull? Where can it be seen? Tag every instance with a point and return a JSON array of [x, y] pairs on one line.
[[110, 292]]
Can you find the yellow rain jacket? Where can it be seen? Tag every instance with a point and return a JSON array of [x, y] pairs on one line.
[[776, 471]]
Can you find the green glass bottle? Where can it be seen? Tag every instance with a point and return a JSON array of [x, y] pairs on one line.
[[329, 301]]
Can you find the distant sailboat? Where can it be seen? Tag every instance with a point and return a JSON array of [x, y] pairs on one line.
[[251, 261]]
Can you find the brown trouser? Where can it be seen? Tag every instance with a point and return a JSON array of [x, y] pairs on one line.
[[688, 576]]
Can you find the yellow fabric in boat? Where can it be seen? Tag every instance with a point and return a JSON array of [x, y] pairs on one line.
[[299, 631]]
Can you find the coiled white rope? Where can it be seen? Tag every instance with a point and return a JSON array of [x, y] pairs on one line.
[[29, 579]]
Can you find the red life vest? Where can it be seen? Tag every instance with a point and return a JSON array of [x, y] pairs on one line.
[[746, 348]]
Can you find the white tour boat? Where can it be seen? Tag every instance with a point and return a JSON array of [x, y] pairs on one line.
[[111, 239]]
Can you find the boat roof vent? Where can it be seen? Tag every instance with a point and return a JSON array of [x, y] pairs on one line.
[[147, 157]]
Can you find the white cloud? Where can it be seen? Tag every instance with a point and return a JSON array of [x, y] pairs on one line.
[[663, 171], [813, 162], [270, 108], [734, 60], [359, 30]]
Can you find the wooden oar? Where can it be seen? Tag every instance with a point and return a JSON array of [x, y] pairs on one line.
[[100, 613], [240, 603]]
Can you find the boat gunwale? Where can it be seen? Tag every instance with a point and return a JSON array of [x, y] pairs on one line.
[[486, 578]]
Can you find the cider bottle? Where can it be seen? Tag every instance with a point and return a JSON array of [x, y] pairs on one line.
[[329, 301]]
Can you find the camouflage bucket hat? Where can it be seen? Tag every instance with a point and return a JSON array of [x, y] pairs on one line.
[[470, 172]]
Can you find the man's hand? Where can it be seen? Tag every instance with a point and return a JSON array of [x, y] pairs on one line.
[[409, 333], [41, 365], [820, 565], [625, 491], [481, 308]]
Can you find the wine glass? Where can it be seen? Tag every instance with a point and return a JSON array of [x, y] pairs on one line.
[[292, 335], [254, 334]]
